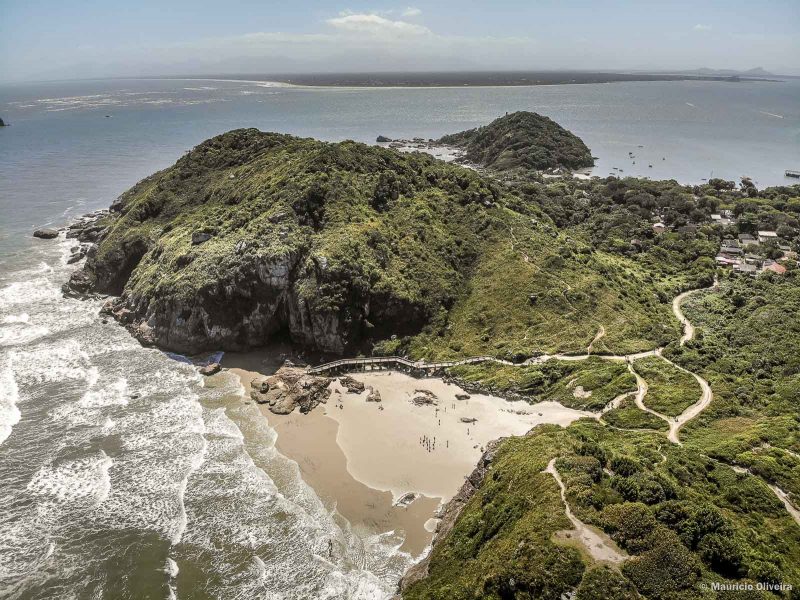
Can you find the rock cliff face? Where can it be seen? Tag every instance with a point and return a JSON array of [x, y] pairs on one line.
[[253, 235]]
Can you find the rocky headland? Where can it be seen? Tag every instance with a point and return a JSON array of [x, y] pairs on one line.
[[336, 246]]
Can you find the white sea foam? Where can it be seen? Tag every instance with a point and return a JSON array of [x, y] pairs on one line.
[[51, 362], [74, 481], [27, 292], [194, 464], [171, 568], [9, 396], [116, 393], [21, 318], [16, 334]]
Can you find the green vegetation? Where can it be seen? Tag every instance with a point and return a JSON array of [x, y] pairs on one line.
[[344, 246], [629, 416], [670, 391], [587, 385], [682, 513], [532, 295], [522, 140], [747, 349], [502, 544], [684, 519]]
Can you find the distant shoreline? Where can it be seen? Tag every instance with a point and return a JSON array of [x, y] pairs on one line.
[[466, 79]]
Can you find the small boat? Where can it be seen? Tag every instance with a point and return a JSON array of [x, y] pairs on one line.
[[790, 173]]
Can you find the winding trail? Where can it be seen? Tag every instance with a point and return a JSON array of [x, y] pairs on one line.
[[600, 334], [707, 395], [598, 544], [688, 328], [675, 423], [782, 496]]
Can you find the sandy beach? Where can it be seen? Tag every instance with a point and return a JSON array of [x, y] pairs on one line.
[[363, 458]]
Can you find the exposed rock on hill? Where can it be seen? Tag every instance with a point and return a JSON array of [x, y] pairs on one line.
[[522, 140]]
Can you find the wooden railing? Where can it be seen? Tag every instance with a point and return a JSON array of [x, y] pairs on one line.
[[399, 361]]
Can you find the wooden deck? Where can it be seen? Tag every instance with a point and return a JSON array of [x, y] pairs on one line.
[[397, 363]]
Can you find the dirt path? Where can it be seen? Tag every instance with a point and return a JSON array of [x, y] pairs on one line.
[[782, 496], [688, 328], [600, 334], [695, 409], [601, 547], [641, 393]]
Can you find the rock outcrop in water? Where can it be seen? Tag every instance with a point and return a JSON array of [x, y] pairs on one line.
[[345, 248], [46, 233]]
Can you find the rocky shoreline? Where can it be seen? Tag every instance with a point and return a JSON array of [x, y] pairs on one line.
[[449, 513]]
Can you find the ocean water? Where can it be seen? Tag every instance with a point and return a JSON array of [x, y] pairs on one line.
[[121, 474]]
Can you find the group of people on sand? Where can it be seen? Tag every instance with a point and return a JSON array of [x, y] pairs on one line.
[[428, 443]]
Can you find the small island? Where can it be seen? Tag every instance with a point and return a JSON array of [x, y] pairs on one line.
[[522, 141]]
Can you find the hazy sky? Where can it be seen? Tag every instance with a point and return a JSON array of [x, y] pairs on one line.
[[49, 39]]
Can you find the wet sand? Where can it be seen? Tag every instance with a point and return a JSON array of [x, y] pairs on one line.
[[310, 440], [362, 457]]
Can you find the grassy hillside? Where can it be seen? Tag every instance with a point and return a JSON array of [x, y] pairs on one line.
[[748, 336], [533, 294], [629, 416], [342, 246], [589, 385], [685, 520], [522, 140]]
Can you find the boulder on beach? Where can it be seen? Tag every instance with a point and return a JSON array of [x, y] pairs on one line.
[[351, 385], [374, 395], [383, 139], [424, 398], [46, 233], [210, 369], [462, 396], [406, 499], [290, 387], [468, 420], [260, 384]]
